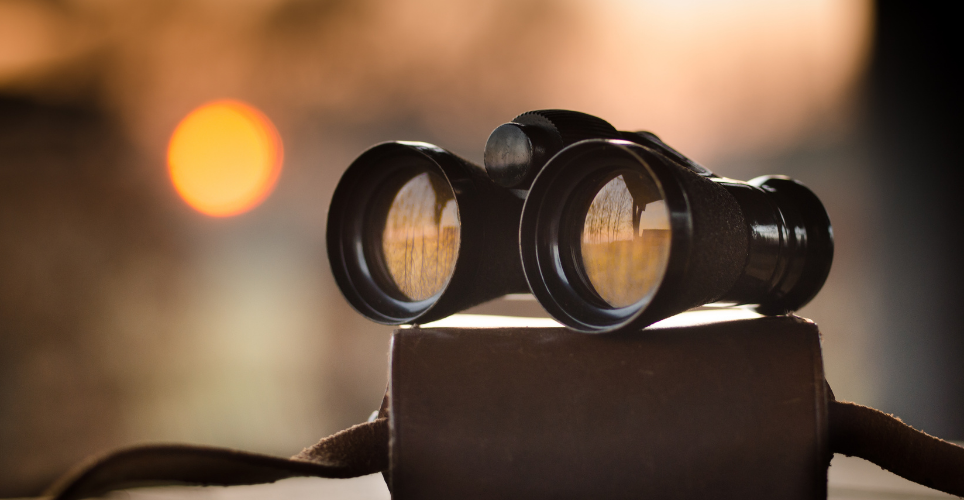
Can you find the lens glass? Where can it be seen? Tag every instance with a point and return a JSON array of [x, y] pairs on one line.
[[421, 238], [625, 238]]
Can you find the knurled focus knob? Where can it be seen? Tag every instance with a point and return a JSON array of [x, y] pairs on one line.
[[516, 151]]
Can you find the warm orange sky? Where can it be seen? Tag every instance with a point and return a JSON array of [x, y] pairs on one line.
[[712, 78]]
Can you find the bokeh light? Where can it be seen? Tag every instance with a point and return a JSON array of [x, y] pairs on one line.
[[224, 158]]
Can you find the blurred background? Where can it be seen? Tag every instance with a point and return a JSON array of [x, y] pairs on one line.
[[128, 316]]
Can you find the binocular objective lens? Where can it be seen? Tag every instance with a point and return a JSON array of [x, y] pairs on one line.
[[625, 240], [420, 241]]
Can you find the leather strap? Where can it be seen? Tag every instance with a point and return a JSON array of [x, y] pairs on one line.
[[357, 451], [873, 435], [855, 430]]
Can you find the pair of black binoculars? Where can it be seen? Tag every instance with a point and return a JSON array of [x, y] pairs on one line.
[[607, 229]]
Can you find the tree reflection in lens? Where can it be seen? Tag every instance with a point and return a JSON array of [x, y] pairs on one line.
[[626, 239], [421, 238]]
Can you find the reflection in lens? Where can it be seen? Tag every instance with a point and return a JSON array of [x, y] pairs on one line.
[[625, 239], [421, 238]]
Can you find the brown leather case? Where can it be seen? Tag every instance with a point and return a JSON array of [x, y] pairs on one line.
[[725, 410]]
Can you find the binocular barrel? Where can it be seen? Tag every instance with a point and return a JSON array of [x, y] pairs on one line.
[[416, 233], [616, 235], [609, 230]]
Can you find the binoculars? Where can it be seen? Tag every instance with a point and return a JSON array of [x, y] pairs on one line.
[[608, 229]]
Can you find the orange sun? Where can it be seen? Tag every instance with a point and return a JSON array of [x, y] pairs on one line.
[[224, 158]]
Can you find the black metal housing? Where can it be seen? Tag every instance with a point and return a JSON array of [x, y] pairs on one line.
[[768, 242]]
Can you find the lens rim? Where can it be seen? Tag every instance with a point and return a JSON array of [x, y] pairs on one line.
[[550, 229], [356, 200]]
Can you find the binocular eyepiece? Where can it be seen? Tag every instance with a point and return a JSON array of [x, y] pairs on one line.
[[607, 229]]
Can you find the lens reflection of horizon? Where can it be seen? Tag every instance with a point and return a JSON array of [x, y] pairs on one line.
[[625, 247], [421, 237]]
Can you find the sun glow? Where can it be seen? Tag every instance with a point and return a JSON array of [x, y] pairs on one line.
[[224, 158]]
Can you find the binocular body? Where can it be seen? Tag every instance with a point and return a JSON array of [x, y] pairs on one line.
[[607, 229]]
